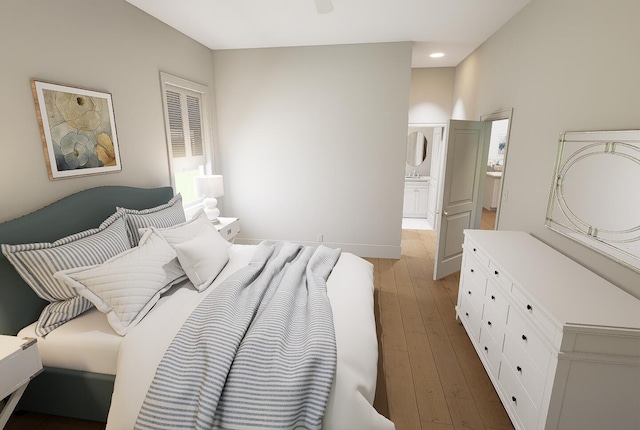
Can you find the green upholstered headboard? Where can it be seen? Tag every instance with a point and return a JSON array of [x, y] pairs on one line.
[[19, 305]]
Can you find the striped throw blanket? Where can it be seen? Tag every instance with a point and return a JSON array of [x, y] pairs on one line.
[[258, 352]]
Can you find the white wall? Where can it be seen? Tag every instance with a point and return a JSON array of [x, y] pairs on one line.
[[310, 142], [562, 65], [104, 45], [431, 98]]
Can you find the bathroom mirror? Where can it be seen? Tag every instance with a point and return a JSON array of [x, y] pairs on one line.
[[595, 193], [416, 148]]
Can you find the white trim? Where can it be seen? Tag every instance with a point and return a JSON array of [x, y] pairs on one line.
[[207, 121]]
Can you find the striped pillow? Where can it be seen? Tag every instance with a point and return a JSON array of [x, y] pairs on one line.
[[162, 216], [37, 262]]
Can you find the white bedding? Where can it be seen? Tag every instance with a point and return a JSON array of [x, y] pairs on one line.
[[89, 343]]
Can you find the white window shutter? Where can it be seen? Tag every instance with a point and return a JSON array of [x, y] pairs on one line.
[[176, 125], [194, 112]]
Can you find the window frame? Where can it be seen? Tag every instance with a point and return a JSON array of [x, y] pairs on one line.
[[175, 83]]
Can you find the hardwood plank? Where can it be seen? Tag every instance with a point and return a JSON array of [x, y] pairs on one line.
[[385, 274], [430, 398], [436, 426], [402, 401], [464, 414], [391, 322]]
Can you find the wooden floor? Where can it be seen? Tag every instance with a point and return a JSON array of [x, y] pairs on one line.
[[430, 377], [488, 220], [433, 378]]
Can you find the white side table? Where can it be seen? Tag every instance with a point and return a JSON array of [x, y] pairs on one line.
[[19, 363], [228, 227]]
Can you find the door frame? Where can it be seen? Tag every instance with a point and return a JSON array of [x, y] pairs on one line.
[[497, 116]]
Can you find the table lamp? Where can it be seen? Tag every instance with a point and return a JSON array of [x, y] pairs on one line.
[[209, 187]]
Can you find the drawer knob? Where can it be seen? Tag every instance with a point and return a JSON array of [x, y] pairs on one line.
[[524, 337], [493, 297], [486, 349], [466, 313], [496, 272], [529, 307], [472, 271], [519, 369], [489, 322], [513, 398], [474, 250], [469, 292]]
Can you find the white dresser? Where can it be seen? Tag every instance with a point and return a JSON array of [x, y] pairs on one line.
[[560, 344]]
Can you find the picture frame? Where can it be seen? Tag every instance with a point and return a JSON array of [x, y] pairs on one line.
[[78, 130]]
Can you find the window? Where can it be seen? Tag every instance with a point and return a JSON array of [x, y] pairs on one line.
[[188, 133]]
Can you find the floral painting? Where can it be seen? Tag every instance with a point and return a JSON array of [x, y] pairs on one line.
[[78, 130]]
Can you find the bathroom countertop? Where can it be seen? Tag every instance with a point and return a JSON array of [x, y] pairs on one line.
[[417, 178]]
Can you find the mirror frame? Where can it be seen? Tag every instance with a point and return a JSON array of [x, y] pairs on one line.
[[412, 148], [576, 146]]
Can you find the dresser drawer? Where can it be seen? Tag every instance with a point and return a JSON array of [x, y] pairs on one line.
[[497, 298], [470, 317], [496, 274], [531, 378], [490, 349], [517, 399], [530, 341], [474, 294], [531, 310], [472, 272], [494, 323], [474, 250]]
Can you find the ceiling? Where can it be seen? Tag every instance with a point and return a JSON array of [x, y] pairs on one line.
[[454, 27]]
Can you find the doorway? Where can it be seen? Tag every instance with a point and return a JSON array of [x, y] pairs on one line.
[[422, 176]]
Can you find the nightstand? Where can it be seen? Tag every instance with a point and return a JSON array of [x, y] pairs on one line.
[[19, 363], [228, 227]]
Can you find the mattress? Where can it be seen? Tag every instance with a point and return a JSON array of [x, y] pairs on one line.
[[85, 343]]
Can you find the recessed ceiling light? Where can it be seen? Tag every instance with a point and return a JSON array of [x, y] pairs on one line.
[[437, 55]]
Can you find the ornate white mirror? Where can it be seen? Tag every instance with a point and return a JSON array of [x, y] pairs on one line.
[[595, 193], [416, 148]]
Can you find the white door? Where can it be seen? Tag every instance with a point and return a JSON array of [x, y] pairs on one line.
[[466, 150]]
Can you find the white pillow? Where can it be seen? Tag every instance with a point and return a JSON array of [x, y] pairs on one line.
[[203, 257], [187, 230], [127, 286]]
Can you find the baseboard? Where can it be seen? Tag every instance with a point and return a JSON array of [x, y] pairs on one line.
[[359, 249]]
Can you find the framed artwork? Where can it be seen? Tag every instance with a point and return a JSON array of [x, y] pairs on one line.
[[78, 130]]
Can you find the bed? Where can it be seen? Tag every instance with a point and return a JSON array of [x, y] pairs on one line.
[[83, 356]]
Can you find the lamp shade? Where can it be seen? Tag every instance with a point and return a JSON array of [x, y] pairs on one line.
[[208, 186]]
